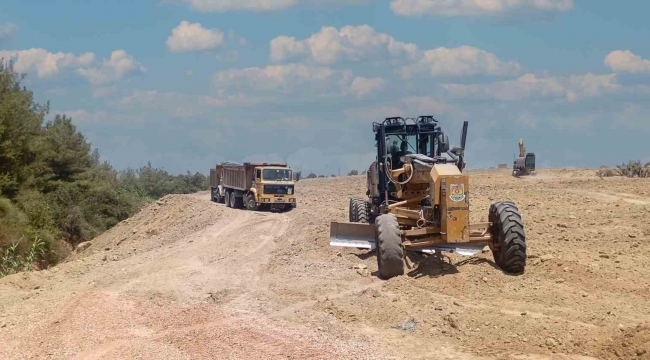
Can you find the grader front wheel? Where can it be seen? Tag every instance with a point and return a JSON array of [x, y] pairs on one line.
[[390, 253], [509, 238]]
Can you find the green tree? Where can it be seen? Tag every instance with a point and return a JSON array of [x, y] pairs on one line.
[[20, 124], [63, 154]]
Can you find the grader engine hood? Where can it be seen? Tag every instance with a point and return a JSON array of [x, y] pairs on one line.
[[450, 190]]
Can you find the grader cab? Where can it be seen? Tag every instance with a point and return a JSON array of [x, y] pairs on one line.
[[418, 200]]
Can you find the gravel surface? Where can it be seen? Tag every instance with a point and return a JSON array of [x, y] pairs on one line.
[[190, 279]]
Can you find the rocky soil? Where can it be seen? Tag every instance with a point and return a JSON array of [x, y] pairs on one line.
[[190, 279]]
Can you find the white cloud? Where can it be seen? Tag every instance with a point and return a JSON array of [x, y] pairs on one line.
[[627, 61], [230, 5], [297, 80], [287, 77], [232, 36], [475, 7], [572, 88], [7, 29], [81, 116], [44, 62], [193, 37], [410, 106], [464, 60], [362, 43], [362, 87], [179, 104], [101, 92], [116, 67], [351, 43]]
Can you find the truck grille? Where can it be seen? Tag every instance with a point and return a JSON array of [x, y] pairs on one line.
[[278, 189]]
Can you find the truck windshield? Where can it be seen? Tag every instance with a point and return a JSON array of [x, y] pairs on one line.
[[276, 174]]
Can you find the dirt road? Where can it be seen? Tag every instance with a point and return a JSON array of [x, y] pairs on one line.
[[190, 279]]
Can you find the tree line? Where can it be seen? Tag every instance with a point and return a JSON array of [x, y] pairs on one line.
[[55, 191], [352, 172]]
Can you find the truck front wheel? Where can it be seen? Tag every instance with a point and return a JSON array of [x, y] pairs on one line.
[[228, 204], [250, 202]]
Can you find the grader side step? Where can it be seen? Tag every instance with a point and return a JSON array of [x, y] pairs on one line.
[[362, 236]]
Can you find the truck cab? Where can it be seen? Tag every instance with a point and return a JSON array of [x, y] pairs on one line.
[[253, 185], [274, 187]]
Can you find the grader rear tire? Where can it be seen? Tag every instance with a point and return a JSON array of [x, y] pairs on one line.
[[509, 238], [390, 251], [351, 210]]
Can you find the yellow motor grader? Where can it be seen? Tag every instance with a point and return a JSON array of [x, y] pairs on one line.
[[418, 200]]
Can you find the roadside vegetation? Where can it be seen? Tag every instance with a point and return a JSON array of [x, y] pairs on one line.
[[631, 169], [55, 191]]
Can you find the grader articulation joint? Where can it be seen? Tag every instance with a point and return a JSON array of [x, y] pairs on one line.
[[418, 200]]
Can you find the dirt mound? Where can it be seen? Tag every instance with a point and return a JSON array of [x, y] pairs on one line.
[[627, 343], [160, 223]]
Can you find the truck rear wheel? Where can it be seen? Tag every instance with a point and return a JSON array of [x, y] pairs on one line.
[[390, 251], [227, 200], [232, 200], [508, 237]]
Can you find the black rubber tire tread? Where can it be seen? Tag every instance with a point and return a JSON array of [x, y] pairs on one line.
[[359, 210], [362, 211], [509, 247], [239, 202], [390, 250], [351, 210], [250, 202], [227, 198]]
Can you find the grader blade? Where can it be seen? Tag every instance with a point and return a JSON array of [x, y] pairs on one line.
[[355, 235]]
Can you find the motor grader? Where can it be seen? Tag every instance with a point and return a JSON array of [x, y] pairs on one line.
[[418, 200]]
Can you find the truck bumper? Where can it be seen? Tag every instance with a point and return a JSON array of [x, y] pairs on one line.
[[276, 199]]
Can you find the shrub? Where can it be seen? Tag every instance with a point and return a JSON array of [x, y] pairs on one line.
[[631, 169]]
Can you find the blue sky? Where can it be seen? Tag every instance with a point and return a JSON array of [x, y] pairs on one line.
[[187, 83]]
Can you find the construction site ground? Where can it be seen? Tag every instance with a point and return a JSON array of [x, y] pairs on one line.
[[187, 278]]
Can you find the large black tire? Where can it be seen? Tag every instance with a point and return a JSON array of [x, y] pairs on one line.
[[508, 237], [390, 250], [359, 210], [250, 202], [227, 200]]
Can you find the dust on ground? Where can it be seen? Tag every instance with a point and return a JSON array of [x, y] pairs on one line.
[[190, 279]]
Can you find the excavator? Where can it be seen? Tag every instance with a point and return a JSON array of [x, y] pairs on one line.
[[525, 163]]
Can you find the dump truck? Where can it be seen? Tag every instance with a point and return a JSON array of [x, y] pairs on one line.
[[417, 199], [253, 186], [525, 163]]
